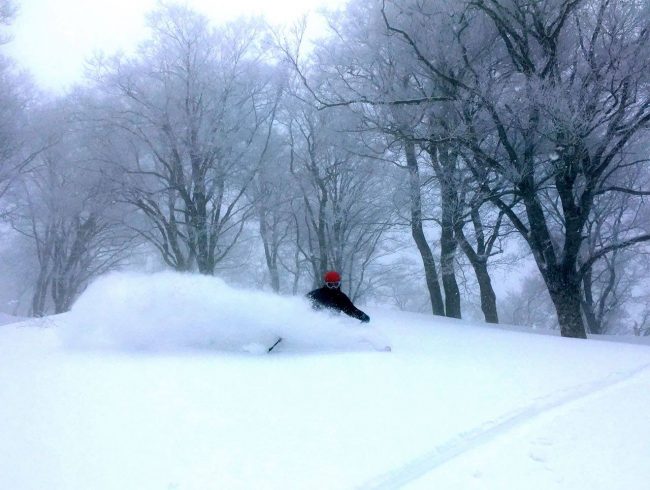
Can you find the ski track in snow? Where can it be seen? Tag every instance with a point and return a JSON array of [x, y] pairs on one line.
[[466, 441]]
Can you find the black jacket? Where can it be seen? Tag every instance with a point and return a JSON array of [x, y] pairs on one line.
[[335, 299]]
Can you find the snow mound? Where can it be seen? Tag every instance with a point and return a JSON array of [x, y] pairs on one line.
[[174, 311]]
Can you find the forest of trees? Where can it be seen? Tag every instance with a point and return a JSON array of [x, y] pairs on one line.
[[470, 158]]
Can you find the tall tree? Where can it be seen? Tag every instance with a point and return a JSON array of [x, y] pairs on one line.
[[65, 205], [342, 214], [188, 120], [561, 118], [417, 231], [610, 283], [272, 192], [19, 143], [366, 69]]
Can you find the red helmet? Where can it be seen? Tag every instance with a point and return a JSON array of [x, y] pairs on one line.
[[332, 276]]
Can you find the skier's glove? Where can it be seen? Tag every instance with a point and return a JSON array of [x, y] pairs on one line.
[[365, 318]]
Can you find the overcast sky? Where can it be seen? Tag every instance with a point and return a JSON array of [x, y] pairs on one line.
[[52, 38]]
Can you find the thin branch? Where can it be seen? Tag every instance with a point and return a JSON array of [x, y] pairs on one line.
[[610, 248]]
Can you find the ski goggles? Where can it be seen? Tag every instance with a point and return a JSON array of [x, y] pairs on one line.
[[333, 285]]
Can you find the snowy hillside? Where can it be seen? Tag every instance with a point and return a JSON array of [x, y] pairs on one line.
[[160, 382], [5, 319]]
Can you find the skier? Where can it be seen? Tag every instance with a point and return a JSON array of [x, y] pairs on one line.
[[331, 297]]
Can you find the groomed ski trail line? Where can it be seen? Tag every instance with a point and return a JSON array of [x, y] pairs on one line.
[[466, 441]]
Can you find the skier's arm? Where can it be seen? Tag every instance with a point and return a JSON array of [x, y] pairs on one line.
[[363, 316], [349, 309]]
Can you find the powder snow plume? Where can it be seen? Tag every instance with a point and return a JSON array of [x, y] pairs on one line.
[[172, 311]]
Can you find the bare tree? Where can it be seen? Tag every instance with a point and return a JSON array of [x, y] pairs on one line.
[[357, 71], [342, 213], [19, 143], [64, 205], [643, 329], [609, 283], [188, 120], [272, 192], [368, 70], [479, 246], [561, 118], [417, 231], [529, 304]]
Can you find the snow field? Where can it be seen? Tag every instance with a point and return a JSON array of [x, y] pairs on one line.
[[454, 406]]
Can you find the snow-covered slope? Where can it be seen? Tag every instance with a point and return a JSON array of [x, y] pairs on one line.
[[6, 319], [138, 403]]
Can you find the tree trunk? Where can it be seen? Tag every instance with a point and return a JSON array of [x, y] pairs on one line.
[[561, 276], [270, 250], [566, 295], [478, 260], [447, 262], [588, 304], [444, 164], [40, 293], [417, 231], [45, 252], [199, 223], [488, 298], [449, 283], [273, 272]]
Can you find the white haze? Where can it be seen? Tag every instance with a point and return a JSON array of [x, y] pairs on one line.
[[53, 39]]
